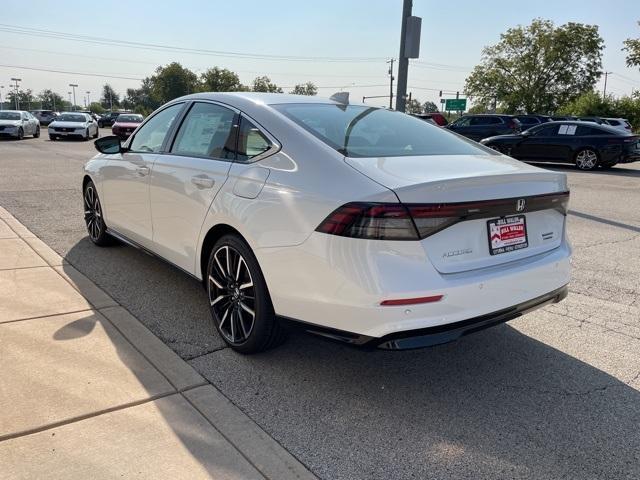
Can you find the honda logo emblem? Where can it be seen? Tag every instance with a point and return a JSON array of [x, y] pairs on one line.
[[520, 204]]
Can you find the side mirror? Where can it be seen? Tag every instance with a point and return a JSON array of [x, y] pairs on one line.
[[109, 145]]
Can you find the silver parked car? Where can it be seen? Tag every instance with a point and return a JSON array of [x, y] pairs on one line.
[[73, 124], [18, 123]]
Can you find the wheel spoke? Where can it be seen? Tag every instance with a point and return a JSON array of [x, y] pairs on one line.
[[241, 321], [220, 297], [246, 285], [215, 282], [247, 309], [224, 317], [215, 257], [240, 262]]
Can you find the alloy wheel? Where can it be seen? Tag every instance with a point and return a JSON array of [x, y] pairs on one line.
[[586, 160], [232, 295], [92, 213]]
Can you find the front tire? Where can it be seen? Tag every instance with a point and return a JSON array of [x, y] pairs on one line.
[[86, 135], [20, 133], [239, 299], [586, 159], [97, 134], [93, 217]]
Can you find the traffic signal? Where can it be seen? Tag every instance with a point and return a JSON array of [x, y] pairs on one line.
[[440, 92]]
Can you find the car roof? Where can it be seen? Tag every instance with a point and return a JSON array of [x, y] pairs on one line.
[[262, 98], [15, 111], [586, 124]]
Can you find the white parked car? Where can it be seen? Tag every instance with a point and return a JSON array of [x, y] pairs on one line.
[[73, 124], [619, 123], [357, 223], [18, 123]]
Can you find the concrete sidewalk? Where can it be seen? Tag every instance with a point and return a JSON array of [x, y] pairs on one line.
[[86, 391]]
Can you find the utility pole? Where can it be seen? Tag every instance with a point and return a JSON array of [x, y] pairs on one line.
[[604, 90], [73, 87], [1, 102], [391, 78], [17, 100], [111, 102], [409, 48]]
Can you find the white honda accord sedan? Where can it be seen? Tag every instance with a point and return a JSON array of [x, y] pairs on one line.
[[357, 223]]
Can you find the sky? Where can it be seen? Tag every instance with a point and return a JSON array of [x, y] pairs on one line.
[[364, 32]]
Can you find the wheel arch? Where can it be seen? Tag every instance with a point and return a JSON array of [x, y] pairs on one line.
[[210, 239]]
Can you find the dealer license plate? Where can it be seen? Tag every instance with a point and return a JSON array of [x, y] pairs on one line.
[[507, 234]]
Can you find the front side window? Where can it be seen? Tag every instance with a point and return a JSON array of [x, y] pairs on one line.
[[151, 136], [207, 131], [360, 131], [251, 141]]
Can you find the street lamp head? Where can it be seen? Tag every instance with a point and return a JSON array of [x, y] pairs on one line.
[[73, 84]]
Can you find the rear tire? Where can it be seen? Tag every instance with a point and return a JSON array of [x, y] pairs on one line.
[[93, 218], [239, 299], [97, 134], [586, 159], [37, 134]]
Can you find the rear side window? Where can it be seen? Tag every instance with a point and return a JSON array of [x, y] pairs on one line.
[[614, 123], [360, 131], [582, 130], [251, 141], [528, 120], [151, 135], [207, 131]]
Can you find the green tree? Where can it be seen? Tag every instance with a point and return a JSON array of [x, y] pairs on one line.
[[413, 106], [109, 99], [632, 46], [172, 81], [305, 89], [263, 84], [141, 100], [50, 100], [25, 99], [592, 104], [220, 80], [538, 67], [96, 107], [429, 107]]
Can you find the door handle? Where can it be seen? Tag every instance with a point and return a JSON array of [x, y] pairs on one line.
[[203, 181], [142, 171]]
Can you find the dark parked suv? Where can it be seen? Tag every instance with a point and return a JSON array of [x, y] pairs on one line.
[[108, 119], [45, 117], [477, 127]]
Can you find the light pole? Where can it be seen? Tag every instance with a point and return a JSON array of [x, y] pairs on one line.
[[70, 103], [409, 48], [1, 102], [604, 90], [17, 100], [73, 87], [88, 100]]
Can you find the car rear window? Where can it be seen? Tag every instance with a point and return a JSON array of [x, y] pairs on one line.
[[361, 131]]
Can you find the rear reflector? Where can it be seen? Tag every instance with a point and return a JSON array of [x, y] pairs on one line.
[[397, 221], [411, 301]]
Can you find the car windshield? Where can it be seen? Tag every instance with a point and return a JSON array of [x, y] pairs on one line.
[[9, 116], [129, 119], [70, 117], [360, 131]]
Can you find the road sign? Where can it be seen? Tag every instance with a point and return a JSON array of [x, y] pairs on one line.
[[456, 104], [442, 100]]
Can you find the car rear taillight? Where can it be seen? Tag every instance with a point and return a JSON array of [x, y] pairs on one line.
[[379, 221], [395, 221]]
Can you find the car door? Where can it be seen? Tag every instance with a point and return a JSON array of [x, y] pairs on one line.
[[185, 181], [125, 178], [539, 144]]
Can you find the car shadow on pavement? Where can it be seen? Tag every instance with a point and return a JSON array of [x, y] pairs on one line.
[[496, 404]]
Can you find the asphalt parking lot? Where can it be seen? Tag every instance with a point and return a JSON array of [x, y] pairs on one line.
[[555, 394]]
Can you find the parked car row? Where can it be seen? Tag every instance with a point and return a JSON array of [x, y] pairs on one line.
[[19, 123], [587, 142]]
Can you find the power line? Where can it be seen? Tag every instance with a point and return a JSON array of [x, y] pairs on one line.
[[161, 47], [71, 73]]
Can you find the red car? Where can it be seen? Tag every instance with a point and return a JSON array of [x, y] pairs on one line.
[[126, 123], [437, 118]]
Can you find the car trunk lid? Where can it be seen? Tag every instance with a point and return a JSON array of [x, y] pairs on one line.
[[488, 195]]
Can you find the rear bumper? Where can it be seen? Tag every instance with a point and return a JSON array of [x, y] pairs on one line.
[[437, 335], [630, 157]]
